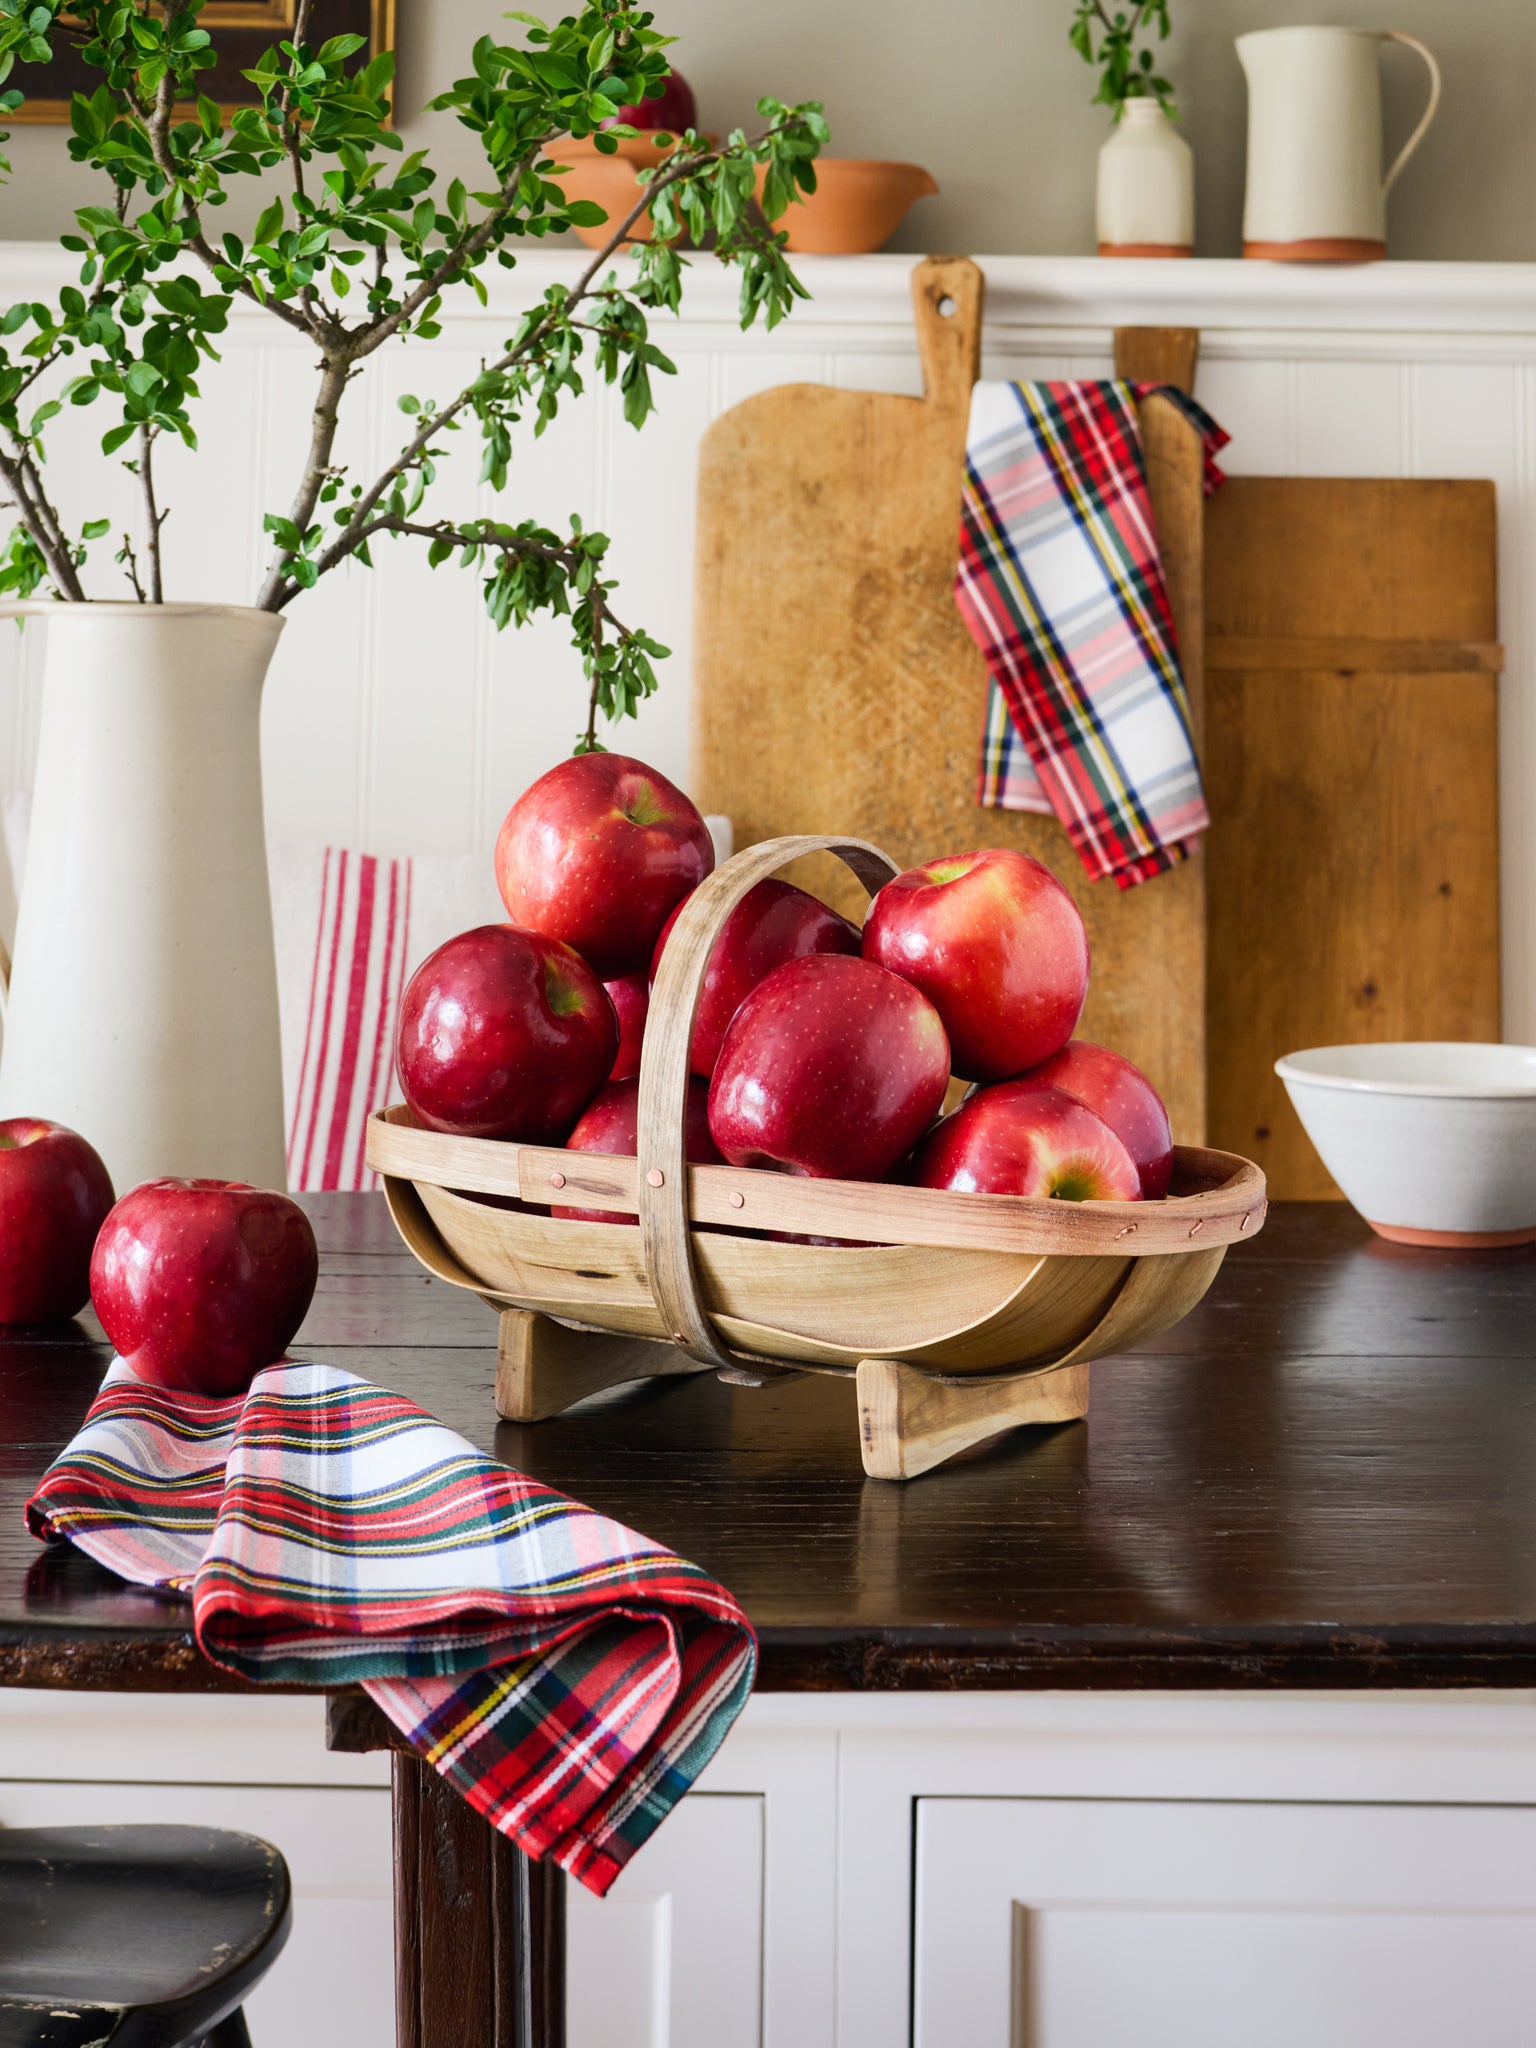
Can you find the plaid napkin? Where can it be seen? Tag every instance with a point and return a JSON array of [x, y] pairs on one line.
[[569, 1677], [1060, 584]]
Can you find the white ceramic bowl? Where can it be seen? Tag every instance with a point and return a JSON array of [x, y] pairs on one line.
[[1433, 1144]]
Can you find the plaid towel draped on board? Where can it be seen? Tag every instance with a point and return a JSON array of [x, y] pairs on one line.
[[569, 1677], [1062, 589]]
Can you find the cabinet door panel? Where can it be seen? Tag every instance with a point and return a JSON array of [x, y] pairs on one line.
[[1181, 1924], [335, 1979], [673, 1957]]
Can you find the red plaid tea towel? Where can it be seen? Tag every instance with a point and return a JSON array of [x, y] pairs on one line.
[[1061, 586], [569, 1677]]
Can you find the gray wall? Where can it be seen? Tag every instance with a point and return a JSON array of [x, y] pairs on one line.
[[989, 97]]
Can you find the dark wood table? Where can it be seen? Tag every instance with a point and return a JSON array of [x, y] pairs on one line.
[[1323, 1477]]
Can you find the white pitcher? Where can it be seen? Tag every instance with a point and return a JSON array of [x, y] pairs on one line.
[[1315, 192], [142, 1007]]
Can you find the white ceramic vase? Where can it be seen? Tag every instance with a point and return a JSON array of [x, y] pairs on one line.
[[142, 1008], [1146, 188]]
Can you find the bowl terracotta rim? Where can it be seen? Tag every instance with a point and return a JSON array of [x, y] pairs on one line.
[[870, 163], [1291, 1072]]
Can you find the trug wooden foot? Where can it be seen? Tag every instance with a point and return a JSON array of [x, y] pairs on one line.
[[909, 1422], [542, 1367]]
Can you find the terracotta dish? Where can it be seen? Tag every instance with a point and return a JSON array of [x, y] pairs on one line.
[[857, 206], [610, 180]]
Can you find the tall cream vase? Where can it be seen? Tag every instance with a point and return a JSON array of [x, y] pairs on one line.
[[142, 1008]]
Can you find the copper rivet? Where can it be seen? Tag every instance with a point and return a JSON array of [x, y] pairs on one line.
[[557, 1180], [1198, 1227], [738, 1201], [677, 1337], [1246, 1221], [656, 1178]]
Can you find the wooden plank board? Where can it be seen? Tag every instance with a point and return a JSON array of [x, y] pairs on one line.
[[836, 689], [1351, 762]]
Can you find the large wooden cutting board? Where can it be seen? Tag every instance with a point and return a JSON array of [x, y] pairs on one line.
[[1352, 866], [838, 691]]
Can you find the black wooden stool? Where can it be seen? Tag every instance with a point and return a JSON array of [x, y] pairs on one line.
[[142, 1937]]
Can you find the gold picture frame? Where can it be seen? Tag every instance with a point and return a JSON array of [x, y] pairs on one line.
[[241, 31]]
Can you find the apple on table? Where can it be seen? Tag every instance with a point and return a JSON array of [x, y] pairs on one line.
[[201, 1283], [55, 1193]]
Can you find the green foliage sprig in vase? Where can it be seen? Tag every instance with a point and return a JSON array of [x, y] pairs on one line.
[[1145, 201], [1125, 72], [363, 250]]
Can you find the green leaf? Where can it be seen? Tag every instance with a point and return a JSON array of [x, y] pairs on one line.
[[93, 529], [114, 437]]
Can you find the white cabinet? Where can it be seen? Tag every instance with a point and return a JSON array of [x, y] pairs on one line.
[[940, 1871], [1193, 1924], [673, 1956]]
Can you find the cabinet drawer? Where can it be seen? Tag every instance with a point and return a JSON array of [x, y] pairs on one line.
[[673, 1957], [335, 1979], [1067, 1923]]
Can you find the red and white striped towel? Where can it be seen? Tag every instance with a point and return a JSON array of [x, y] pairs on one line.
[[351, 927]]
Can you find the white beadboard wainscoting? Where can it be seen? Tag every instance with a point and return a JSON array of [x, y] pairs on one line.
[[399, 721]]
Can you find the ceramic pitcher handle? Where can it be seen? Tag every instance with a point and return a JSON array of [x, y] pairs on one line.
[[1398, 35]]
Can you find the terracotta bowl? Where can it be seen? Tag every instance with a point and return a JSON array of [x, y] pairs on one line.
[[610, 180], [1434, 1144], [856, 208]]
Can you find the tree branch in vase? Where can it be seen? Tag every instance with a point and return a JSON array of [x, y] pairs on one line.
[[362, 224]]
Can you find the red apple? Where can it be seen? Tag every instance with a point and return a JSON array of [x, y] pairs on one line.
[[772, 923], [54, 1193], [609, 1125], [1024, 1138], [504, 1034], [595, 853], [200, 1283], [831, 1067], [1120, 1093], [674, 109], [631, 1000], [998, 947]]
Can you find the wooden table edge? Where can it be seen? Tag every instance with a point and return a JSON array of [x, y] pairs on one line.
[[1023, 1659]]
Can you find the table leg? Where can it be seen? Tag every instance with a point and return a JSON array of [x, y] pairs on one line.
[[479, 1929]]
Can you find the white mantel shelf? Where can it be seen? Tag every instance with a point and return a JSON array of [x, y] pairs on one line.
[[1032, 292]]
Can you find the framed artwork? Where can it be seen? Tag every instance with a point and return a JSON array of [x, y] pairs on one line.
[[241, 30]]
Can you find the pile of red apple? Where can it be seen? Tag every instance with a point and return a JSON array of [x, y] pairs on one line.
[[817, 1048]]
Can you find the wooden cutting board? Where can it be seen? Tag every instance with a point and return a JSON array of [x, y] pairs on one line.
[[837, 691], [1352, 866]]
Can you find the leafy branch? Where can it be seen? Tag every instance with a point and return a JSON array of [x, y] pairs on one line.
[[1125, 72], [360, 251]]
